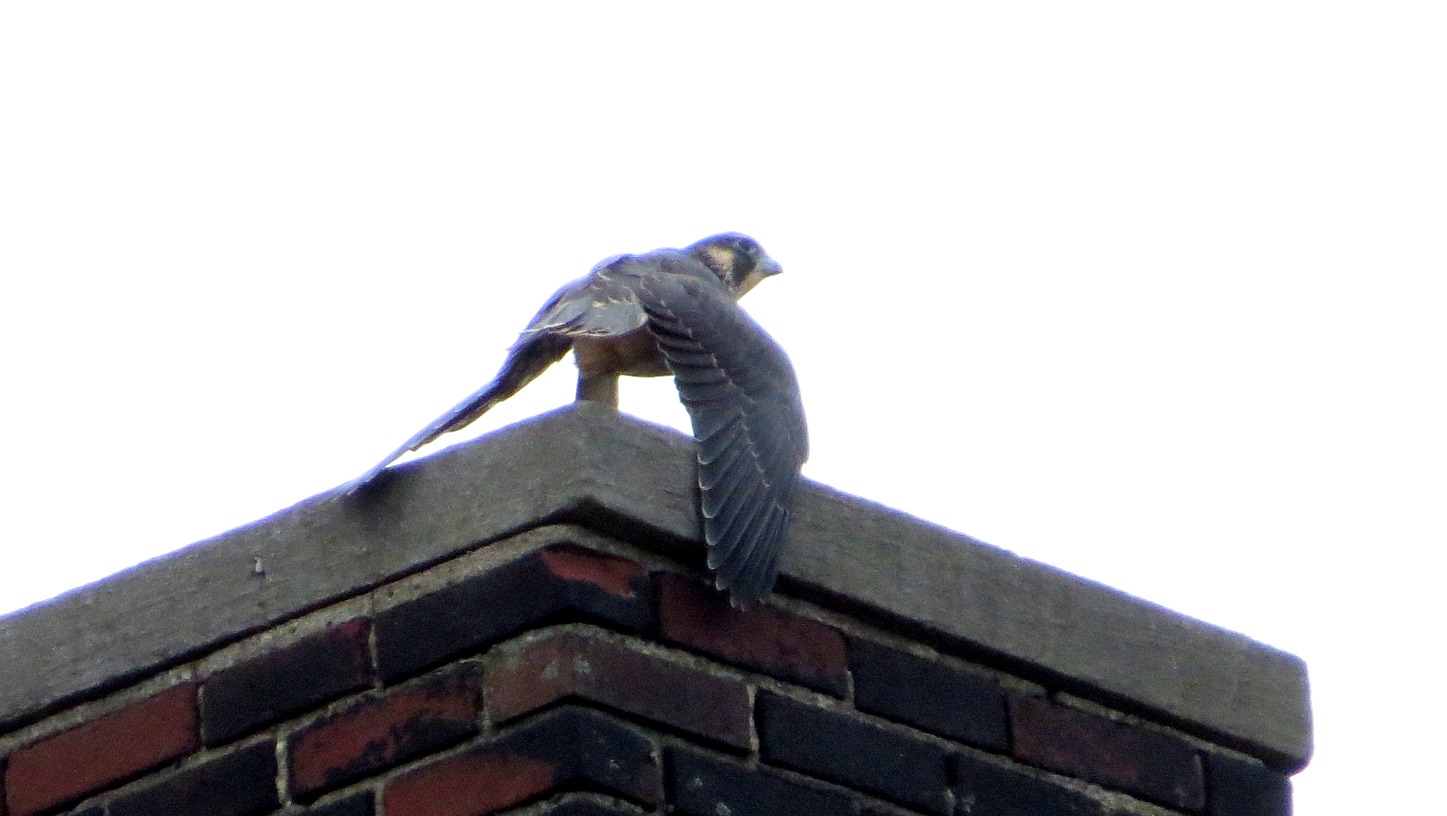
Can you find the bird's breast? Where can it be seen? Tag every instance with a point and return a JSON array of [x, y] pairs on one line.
[[633, 353]]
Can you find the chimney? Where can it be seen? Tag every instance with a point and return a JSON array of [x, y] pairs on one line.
[[522, 625]]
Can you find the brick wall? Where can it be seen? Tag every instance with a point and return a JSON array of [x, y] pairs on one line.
[[578, 677], [562, 671]]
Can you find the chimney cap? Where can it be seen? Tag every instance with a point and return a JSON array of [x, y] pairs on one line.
[[588, 464]]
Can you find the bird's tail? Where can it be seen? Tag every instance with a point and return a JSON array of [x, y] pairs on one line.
[[527, 359]]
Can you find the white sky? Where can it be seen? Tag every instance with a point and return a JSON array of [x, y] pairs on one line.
[[1151, 292]]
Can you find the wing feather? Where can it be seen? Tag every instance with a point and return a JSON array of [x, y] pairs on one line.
[[601, 304], [717, 436], [743, 400], [762, 565]]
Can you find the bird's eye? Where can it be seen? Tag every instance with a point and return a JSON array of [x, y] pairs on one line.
[[748, 246]]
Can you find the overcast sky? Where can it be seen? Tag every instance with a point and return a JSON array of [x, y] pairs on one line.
[[1150, 292]]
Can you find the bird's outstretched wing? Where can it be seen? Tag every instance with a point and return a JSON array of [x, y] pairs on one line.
[[748, 423]]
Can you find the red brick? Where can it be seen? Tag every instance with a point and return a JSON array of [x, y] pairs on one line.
[[1149, 764], [615, 576], [290, 680], [103, 752], [569, 747], [619, 672], [469, 785], [382, 732], [765, 638]]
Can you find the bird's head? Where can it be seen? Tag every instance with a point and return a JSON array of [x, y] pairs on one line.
[[737, 259]]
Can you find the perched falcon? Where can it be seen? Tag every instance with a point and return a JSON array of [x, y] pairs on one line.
[[675, 311]]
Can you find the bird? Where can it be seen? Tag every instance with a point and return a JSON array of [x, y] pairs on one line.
[[675, 311]]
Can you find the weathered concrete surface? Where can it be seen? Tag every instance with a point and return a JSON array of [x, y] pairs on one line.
[[592, 466]]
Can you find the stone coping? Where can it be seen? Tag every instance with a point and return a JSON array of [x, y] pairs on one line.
[[590, 465]]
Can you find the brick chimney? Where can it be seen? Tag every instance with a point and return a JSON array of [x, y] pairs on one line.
[[521, 625]]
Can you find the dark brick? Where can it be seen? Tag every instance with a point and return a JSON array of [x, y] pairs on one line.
[[571, 746], [765, 638], [357, 804], [844, 748], [236, 783], [588, 805], [268, 688], [557, 584], [929, 695], [702, 785], [379, 733], [875, 807], [1149, 764], [1238, 787], [618, 672], [102, 753], [986, 789]]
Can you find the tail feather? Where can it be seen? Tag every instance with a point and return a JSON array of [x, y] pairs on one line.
[[529, 358]]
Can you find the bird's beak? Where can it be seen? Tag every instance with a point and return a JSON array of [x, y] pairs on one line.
[[767, 267]]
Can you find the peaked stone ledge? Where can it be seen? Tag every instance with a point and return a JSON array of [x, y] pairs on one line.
[[589, 465]]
